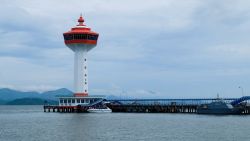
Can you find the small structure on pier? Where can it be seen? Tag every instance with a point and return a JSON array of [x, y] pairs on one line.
[[77, 100], [76, 104]]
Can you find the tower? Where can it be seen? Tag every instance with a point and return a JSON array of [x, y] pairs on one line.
[[80, 39]]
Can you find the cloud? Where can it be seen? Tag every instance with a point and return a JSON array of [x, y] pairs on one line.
[[36, 88], [144, 46], [27, 74], [122, 93]]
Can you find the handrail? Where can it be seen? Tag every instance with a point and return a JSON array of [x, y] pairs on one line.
[[239, 100]]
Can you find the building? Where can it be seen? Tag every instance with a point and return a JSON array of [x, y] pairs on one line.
[[80, 39]]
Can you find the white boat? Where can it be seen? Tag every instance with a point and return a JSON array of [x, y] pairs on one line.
[[99, 110]]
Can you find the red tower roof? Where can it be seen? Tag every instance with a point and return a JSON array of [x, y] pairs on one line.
[[80, 34]]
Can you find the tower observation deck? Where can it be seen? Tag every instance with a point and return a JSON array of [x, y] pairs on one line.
[[80, 39]]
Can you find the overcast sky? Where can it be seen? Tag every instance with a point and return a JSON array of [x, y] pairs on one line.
[[146, 48]]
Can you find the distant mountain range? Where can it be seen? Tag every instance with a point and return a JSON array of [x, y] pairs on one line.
[[14, 97]]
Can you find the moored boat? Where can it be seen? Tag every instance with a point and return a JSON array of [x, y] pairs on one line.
[[99, 110], [219, 107]]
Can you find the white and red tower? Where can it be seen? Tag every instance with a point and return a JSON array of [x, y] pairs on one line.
[[80, 39]]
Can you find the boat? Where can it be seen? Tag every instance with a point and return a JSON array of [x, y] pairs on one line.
[[99, 110], [219, 107]]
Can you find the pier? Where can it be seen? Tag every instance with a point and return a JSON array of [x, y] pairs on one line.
[[150, 105], [171, 105], [172, 108]]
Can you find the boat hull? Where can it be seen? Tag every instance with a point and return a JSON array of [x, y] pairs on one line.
[[234, 111], [106, 110]]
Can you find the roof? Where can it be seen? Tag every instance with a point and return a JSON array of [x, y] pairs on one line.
[[81, 28]]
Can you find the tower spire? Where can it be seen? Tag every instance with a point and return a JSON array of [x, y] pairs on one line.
[[81, 20]]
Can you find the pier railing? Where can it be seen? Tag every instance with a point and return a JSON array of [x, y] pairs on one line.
[[167, 101]]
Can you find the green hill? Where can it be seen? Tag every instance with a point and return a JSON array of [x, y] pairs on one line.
[[2, 102], [7, 94], [31, 101]]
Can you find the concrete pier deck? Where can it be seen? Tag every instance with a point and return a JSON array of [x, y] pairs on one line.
[[64, 109]]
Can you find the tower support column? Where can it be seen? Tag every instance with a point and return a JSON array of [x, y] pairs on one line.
[[81, 72]]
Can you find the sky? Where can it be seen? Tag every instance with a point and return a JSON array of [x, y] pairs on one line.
[[146, 48]]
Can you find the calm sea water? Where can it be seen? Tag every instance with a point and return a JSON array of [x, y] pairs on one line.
[[30, 123]]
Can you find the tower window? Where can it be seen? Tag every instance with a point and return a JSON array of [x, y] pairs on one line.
[[80, 36], [68, 37], [85, 90], [85, 74], [69, 100], [85, 82], [85, 59], [92, 37], [84, 36]]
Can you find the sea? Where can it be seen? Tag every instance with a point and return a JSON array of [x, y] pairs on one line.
[[30, 123]]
